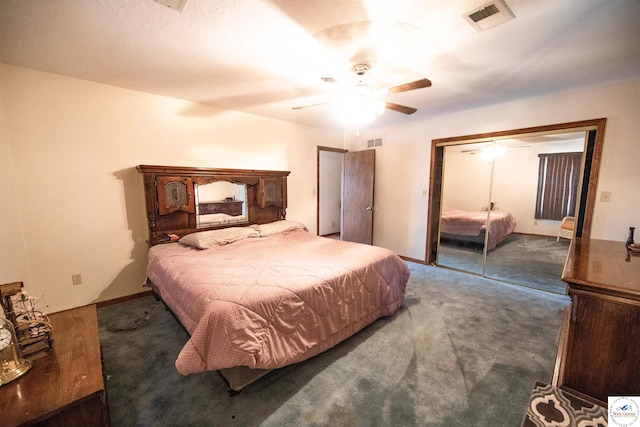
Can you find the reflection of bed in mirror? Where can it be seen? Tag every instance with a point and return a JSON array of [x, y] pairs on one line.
[[470, 226], [205, 220]]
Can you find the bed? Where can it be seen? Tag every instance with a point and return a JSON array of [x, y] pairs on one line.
[[273, 298], [266, 294], [471, 226]]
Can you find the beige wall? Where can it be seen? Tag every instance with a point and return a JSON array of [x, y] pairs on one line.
[[72, 201], [402, 163]]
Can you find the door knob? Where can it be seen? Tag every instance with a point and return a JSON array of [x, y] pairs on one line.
[[369, 208]]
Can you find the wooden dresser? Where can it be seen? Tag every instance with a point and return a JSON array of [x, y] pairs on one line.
[[65, 386], [599, 353]]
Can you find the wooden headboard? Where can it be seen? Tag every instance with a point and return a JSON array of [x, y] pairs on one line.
[[176, 214]]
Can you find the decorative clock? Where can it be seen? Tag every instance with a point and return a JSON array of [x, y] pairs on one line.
[[30, 326], [12, 365]]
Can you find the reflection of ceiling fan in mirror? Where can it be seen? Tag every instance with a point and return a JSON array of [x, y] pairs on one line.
[[361, 102], [493, 149]]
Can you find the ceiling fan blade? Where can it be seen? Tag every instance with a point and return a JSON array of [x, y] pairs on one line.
[[300, 107], [328, 80], [400, 108], [418, 84]]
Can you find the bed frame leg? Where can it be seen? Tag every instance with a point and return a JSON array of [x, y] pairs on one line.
[[230, 390], [239, 377]]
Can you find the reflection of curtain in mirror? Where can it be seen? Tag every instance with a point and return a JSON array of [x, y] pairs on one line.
[[558, 178]]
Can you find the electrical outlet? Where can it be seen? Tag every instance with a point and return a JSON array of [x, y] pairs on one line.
[[605, 196], [76, 279]]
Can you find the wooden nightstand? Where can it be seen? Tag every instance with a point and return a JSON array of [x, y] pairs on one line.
[[65, 386]]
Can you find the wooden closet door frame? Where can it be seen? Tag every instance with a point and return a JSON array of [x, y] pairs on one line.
[[588, 187]]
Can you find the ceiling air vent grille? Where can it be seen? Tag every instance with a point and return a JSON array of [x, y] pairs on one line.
[[173, 4], [377, 142], [489, 15], [484, 13]]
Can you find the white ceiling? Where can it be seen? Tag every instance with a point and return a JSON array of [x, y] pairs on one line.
[[267, 56]]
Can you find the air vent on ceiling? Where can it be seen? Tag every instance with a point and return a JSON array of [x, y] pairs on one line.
[[173, 4], [484, 13], [374, 142], [489, 15]]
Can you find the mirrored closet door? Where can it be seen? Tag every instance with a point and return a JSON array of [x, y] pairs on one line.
[[495, 197], [466, 185]]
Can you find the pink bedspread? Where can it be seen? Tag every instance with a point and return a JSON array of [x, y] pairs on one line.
[[272, 301], [472, 223]]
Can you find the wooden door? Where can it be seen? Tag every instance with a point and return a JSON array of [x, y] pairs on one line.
[[357, 196]]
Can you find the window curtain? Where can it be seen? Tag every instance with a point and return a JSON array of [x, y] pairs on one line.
[[558, 178]]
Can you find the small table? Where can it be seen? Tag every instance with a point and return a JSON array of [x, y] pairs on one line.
[[65, 386]]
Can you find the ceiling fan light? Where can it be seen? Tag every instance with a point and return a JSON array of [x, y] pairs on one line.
[[379, 105], [492, 152], [356, 117], [360, 106]]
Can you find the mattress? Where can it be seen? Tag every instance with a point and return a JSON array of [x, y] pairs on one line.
[[269, 302]]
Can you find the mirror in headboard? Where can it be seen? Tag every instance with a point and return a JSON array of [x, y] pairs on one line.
[[182, 200], [221, 202]]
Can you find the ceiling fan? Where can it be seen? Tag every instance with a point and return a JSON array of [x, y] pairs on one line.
[[362, 95]]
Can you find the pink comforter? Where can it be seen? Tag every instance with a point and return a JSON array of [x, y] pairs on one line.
[[272, 301], [472, 223]]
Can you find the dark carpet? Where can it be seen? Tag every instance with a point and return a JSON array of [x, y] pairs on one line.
[[532, 261], [463, 351]]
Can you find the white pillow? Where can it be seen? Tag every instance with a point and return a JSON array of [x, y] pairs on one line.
[[222, 236], [281, 226]]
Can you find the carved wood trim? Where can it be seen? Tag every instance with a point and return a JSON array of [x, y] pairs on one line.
[[181, 220], [188, 204]]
